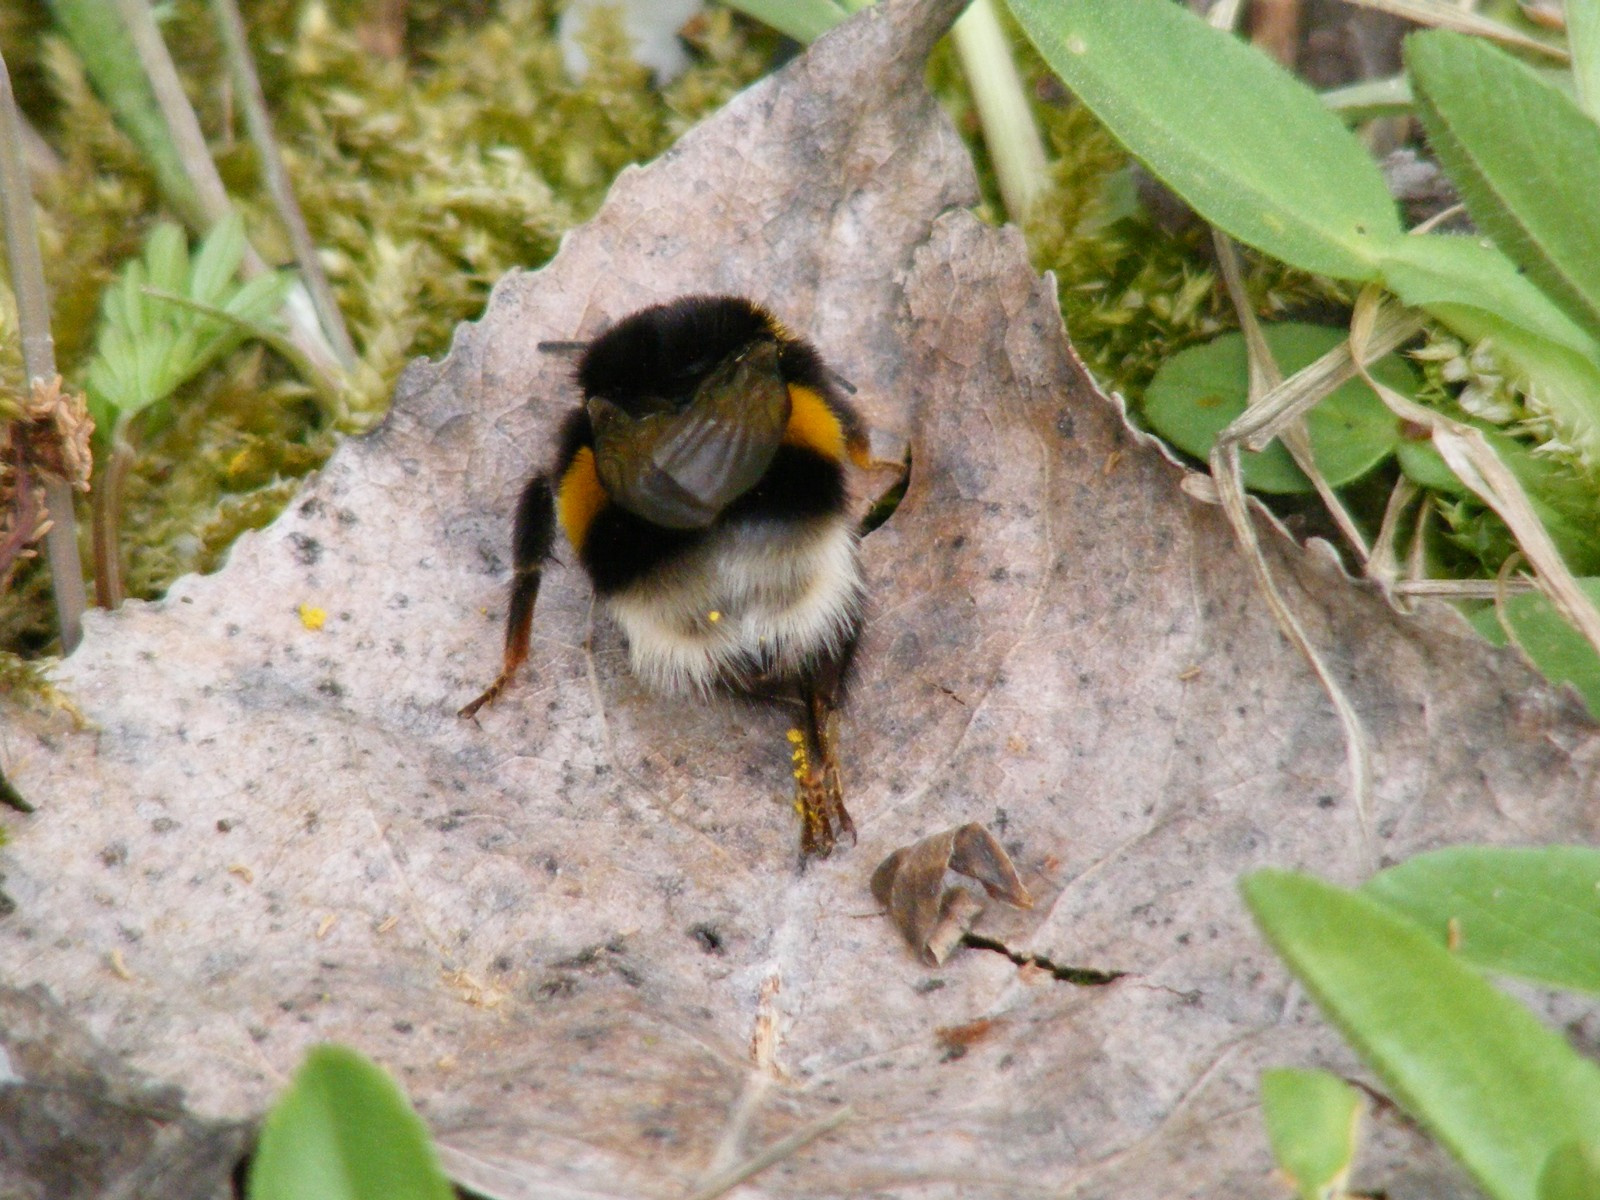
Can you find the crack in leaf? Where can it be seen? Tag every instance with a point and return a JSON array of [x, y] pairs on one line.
[[1082, 976]]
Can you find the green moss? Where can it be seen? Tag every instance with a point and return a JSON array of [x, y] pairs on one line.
[[27, 681], [423, 178]]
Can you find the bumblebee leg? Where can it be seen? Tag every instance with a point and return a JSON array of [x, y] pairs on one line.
[[532, 536], [819, 788]]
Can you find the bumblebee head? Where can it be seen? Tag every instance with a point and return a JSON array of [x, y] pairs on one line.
[[688, 402]]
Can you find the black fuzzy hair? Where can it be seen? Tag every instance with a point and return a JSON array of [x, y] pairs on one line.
[[655, 359]]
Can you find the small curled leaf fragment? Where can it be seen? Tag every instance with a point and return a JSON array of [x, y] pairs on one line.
[[52, 431], [933, 918]]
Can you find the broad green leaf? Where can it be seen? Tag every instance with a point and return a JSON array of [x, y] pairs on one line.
[[1445, 272], [1526, 158], [803, 20], [1583, 39], [1198, 391], [1560, 652], [1311, 1121], [1486, 621], [1495, 1086], [1572, 1172], [166, 258], [1527, 911], [216, 263], [344, 1131], [1254, 151]]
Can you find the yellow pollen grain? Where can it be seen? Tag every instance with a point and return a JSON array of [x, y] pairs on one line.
[[713, 616], [312, 617]]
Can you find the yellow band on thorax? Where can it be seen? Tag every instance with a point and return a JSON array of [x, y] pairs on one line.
[[813, 424], [579, 497]]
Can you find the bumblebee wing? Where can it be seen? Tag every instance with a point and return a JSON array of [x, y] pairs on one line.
[[722, 444], [681, 471]]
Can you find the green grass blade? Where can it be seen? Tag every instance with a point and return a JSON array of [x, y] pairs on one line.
[[344, 1131], [1526, 158], [103, 43], [803, 20], [1527, 911], [1501, 1091], [1254, 151], [1311, 1121]]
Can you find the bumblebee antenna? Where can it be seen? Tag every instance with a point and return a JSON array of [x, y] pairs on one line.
[[566, 348], [850, 388]]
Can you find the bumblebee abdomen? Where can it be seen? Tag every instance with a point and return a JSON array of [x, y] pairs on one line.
[[757, 600]]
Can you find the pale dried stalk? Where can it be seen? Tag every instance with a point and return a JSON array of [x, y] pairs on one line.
[[1383, 565], [1469, 455], [273, 173], [202, 171], [1443, 15], [775, 1153], [38, 361], [1463, 589], [1229, 480], [1358, 757], [1265, 377], [1015, 145], [1302, 391]]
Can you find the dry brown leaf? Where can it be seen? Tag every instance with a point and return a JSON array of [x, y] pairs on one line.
[[1062, 646], [933, 918]]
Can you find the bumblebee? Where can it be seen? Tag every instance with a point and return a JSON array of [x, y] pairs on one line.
[[702, 485]]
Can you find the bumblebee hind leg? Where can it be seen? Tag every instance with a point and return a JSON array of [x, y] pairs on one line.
[[819, 788], [533, 534]]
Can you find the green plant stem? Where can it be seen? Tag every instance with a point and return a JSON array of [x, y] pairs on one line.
[[38, 358], [108, 590], [202, 172], [248, 86], [1009, 129]]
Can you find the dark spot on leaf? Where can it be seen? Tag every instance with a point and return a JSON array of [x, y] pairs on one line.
[[307, 550], [709, 938]]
